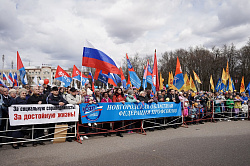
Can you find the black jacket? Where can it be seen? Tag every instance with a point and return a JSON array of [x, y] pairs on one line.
[[144, 99], [171, 97], [18, 100], [55, 100], [34, 99]]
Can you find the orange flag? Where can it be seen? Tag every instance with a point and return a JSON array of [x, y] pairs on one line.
[[242, 85], [197, 78]]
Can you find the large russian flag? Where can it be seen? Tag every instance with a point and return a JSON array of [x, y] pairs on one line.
[[95, 58]]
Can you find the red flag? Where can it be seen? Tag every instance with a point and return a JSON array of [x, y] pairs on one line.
[[19, 62], [129, 83], [155, 74], [97, 72]]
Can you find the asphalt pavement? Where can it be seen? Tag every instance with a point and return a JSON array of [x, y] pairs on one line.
[[222, 143]]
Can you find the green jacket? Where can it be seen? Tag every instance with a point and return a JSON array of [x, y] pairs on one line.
[[230, 103]]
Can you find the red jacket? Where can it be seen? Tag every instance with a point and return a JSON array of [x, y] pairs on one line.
[[118, 98]]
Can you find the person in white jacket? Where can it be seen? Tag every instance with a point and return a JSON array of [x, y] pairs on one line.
[[244, 110], [73, 98]]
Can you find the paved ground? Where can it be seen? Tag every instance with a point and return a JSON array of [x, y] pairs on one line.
[[222, 143]]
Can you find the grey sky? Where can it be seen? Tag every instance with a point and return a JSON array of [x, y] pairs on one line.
[[53, 32]]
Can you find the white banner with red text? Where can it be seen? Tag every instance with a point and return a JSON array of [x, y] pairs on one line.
[[42, 113]]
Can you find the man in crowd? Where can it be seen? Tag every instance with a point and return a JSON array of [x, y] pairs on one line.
[[36, 98]]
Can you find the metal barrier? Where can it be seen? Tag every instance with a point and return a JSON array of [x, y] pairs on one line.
[[223, 112], [29, 131]]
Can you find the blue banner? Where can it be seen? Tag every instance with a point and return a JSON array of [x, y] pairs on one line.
[[104, 112]]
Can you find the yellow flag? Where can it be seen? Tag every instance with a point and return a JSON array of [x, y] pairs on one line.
[[161, 82], [227, 71], [192, 85], [171, 81], [197, 78], [230, 84], [186, 85], [212, 83], [242, 85], [224, 77]]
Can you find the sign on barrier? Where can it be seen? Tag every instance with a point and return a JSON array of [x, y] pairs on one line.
[[103, 112], [42, 113]]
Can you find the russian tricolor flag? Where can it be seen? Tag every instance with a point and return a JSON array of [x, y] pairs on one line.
[[95, 58], [112, 80]]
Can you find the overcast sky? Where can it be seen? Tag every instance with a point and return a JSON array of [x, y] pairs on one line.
[[54, 31]]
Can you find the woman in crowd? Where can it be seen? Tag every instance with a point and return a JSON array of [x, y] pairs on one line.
[[119, 97], [106, 125]]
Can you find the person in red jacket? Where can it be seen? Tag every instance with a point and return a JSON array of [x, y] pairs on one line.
[[119, 97]]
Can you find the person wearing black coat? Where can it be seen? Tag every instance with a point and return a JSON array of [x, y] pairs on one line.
[[21, 99], [173, 97], [36, 98], [55, 98], [144, 98]]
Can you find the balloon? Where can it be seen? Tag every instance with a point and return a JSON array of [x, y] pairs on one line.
[[41, 82], [46, 81], [166, 85]]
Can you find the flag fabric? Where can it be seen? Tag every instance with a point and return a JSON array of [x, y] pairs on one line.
[[230, 85], [161, 82], [242, 85], [178, 78], [220, 86], [35, 80], [112, 80], [144, 83], [95, 58], [117, 78], [186, 85], [171, 81], [97, 72], [2, 83], [124, 82], [224, 77], [63, 76], [227, 72], [149, 77], [15, 80], [4, 77], [197, 78], [192, 85], [21, 69], [103, 77], [248, 87], [212, 83], [155, 75], [129, 82], [11, 78], [7, 79], [135, 80], [93, 81], [78, 75]]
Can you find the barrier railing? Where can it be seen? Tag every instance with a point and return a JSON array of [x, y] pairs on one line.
[[223, 112]]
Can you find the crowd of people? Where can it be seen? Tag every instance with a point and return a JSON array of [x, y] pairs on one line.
[[196, 107]]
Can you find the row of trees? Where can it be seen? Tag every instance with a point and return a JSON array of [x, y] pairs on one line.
[[203, 61]]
